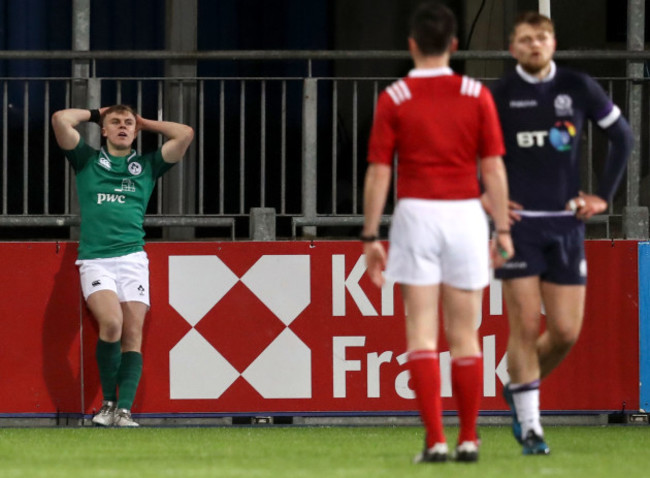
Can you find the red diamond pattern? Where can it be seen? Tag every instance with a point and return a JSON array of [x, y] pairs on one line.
[[240, 327]]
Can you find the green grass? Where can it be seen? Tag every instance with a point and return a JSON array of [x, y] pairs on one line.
[[594, 452]]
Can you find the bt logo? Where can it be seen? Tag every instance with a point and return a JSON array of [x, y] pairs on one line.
[[560, 136], [528, 139]]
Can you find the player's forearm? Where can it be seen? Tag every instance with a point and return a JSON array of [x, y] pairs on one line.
[[179, 137], [493, 174], [168, 129], [70, 117], [63, 124], [377, 184]]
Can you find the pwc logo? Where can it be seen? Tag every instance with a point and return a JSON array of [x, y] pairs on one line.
[[199, 369], [118, 198]]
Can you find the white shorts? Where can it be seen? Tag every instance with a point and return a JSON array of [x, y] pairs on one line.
[[127, 276], [439, 241]]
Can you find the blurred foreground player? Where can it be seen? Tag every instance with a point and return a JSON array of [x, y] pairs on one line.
[[438, 123], [543, 109], [114, 185]]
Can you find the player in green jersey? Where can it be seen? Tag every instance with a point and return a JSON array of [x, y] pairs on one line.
[[114, 185]]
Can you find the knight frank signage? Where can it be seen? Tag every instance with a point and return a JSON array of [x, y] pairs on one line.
[[298, 327], [286, 327]]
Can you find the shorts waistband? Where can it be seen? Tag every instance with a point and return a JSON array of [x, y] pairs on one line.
[[437, 202], [545, 213]]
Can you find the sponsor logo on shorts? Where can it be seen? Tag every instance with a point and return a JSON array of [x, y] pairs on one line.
[[141, 289], [583, 268], [96, 283], [515, 265]]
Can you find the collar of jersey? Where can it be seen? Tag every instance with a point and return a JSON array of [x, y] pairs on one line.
[[109, 156], [429, 72], [528, 78]]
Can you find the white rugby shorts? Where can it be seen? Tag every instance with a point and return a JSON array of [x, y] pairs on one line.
[[439, 241], [127, 276]]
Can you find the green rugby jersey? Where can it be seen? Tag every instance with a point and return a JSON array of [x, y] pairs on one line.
[[113, 195]]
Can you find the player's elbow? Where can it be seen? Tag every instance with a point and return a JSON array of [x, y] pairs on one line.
[[185, 138], [58, 118], [378, 173], [492, 166], [629, 139], [621, 136], [188, 134]]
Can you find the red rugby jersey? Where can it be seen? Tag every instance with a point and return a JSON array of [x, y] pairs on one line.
[[439, 123]]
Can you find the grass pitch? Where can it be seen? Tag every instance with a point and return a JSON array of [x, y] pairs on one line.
[[593, 452]]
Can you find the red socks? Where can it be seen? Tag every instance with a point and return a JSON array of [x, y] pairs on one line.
[[425, 381], [467, 384]]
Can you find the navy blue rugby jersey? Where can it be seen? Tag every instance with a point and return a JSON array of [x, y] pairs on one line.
[[542, 123]]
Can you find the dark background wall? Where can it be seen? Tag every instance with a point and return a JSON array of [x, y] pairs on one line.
[[274, 25], [290, 24]]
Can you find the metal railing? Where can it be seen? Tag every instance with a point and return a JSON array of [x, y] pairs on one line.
[[292, 143]]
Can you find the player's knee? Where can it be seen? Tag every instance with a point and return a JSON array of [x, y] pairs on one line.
[[131, 339], [565, 338], [110, 329], [460, 340], [527, 332]]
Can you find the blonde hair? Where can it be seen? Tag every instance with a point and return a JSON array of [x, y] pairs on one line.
[[534, 19], [116, 109]]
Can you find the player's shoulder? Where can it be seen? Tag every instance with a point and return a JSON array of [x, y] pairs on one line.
[[399, 91], [470, 86], [580, 86], [453, 82], [505, 83], [82, 151], [145, 158], [82, 145], [569, 78]]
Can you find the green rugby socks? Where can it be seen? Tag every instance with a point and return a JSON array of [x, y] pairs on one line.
[[128, 378], [109, 356]]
